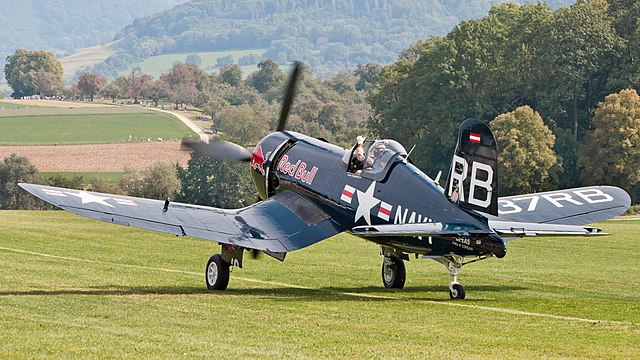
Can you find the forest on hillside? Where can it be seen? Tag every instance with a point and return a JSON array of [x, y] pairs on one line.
[[330, 36], [559, 88], [64, 26]]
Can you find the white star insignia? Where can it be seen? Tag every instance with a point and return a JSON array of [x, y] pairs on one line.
[[90, 198], [366, 202]]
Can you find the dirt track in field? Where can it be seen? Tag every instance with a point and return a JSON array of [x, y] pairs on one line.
[[98, 157]]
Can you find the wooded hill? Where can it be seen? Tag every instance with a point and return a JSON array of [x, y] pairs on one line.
[[567, 79], [330, 36], [64, 26]]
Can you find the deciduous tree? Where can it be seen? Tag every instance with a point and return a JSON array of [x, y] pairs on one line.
[[90, 84], [218, 183], [243, 124], [267, 76], [611, 154], [21, 70], [525, 151], [231, 74], [15, 169], [48, 84], [136, 84]]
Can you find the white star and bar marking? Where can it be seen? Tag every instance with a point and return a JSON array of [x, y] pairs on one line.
[[366, 202], [88, 198]]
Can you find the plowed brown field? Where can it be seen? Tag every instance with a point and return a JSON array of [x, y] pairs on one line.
[[98, 157]]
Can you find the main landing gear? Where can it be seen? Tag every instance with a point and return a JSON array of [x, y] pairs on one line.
[[217, 273], [393, 271]]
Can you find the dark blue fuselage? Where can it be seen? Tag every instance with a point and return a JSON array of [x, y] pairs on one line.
[[396, 193]]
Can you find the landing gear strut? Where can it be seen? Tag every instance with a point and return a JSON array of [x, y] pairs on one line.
[[393, 272], [217, 273], [453, 263]]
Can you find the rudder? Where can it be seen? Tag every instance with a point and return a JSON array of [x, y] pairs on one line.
[[473, 178]]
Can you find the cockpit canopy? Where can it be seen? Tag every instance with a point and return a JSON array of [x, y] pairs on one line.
[[381, 152], [378, 154]]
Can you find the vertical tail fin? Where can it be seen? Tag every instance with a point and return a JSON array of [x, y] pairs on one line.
[[473, 179]]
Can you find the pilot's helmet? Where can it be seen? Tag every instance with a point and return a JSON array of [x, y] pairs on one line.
[[379, 148]]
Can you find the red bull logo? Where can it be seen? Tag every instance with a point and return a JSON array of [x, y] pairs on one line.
[[257, 160], [297, 170]]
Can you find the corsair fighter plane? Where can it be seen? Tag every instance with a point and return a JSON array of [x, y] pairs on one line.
[[311, 190]]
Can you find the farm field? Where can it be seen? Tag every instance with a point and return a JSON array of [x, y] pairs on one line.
[[73, 287], [99, 157], [96, 128], [87, 57], [156, 65], [87, 176], [6, 106]]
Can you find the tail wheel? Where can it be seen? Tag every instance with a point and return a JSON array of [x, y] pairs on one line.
[[217, 273], [456, 291], [393, 272]]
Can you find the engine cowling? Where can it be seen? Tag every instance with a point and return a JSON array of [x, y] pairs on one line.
[[263, 162]]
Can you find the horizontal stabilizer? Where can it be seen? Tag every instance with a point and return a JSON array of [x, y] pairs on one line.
[[577, 206]]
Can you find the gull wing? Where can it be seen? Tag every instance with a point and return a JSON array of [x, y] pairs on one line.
[[282, 223]]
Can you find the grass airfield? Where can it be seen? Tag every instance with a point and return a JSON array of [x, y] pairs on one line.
[[73, 287]]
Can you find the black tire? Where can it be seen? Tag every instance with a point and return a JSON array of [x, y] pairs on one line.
[[393, 272], [216, 274], [458, 292]]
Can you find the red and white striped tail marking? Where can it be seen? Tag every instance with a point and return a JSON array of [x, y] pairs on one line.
[[474, 138], [125, 202], [347, 194], [385, 211], [53, 192]]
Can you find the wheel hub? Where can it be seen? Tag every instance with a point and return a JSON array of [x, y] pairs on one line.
[[212, 273]]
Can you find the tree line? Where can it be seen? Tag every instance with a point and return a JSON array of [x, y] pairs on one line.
[[550, 69], [330, 36], [557, 87]]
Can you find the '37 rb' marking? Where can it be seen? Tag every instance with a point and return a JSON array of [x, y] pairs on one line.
[[558, 199]]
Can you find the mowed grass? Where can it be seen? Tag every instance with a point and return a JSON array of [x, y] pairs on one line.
[[4, 105], [95, 128], [72, 287]]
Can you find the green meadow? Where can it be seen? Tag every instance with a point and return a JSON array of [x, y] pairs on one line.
[[86, 126], [86, 176], [10, 105], [73, 287], [156, 65]]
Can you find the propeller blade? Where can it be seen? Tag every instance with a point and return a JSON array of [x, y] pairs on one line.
[[220, 150], [288, 99]]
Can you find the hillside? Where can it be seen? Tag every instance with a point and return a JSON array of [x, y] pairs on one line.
[[330, 36], [64, 26]]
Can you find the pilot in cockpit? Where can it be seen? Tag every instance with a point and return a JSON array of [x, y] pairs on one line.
[[374, 153], [358, 159]]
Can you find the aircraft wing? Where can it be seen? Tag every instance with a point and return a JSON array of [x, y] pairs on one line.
[[418, 229], [577, 206], [282, 223], [502, 228], [520, 229]]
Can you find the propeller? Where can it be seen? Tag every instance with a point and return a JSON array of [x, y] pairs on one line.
[[221, 150], [225, 150], [289, 95]]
